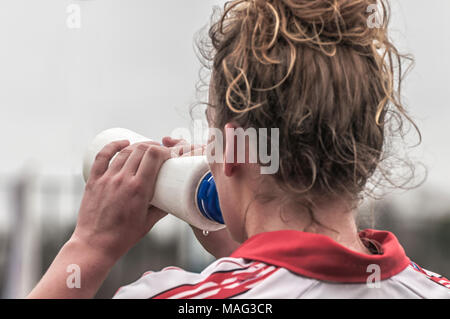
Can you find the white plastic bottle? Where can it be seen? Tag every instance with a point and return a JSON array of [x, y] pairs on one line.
[[184, 186]]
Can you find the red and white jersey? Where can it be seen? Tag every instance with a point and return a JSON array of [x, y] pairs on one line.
[[291, 264]]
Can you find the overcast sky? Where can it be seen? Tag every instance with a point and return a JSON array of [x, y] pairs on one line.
[[132, 64]]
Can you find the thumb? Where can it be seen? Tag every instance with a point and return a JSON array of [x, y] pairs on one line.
[[171, 142]]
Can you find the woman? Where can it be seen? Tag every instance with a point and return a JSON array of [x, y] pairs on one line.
[[324, 76]]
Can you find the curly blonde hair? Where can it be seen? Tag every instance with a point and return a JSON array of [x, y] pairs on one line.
[[318, 72]]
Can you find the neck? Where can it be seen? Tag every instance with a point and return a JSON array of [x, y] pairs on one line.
[[333, 220]]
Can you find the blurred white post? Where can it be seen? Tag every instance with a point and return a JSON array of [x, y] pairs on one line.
[[23, 260]]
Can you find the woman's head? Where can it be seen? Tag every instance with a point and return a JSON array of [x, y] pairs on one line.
[[318, 71]]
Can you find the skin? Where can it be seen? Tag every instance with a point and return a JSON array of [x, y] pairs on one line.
[[114, 213], [245, 217]]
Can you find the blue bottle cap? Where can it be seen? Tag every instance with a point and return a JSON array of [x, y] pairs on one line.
[[208, 199]]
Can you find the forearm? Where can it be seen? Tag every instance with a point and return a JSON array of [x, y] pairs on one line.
[[114, 215], [63, 281]]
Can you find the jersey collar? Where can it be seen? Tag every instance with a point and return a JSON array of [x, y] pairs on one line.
[[319, 257]]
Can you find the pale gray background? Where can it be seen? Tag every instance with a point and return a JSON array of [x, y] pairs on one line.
[[132, 64]]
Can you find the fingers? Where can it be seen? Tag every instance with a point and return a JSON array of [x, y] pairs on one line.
[[103, 158], [150, 165], [121, 158], [180, 147], [171, 142], [177, 146], [195, 150], [132, 164]]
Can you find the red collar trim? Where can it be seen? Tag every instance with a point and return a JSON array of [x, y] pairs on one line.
[[320, 257]]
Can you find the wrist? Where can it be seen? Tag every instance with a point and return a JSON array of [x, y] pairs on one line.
[[77, 272], [90, 253]]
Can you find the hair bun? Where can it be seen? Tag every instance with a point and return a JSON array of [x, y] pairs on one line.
[[320, 23]]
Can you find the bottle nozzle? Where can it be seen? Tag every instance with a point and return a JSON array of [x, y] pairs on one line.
[[208, 199]]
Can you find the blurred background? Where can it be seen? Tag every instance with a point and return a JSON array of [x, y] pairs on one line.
[[70, 69]]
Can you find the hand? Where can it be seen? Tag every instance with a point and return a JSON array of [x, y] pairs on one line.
[[219, 243], [180, 147], [115, 212]]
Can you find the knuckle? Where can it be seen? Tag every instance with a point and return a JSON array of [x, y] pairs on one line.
[[117, 180], [126, 151], [90, 185], [93, 184], [142, 147], [136, 185], [154, 153], [101, 155]]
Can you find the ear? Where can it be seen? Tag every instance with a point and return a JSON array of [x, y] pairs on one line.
[[230, 155]]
